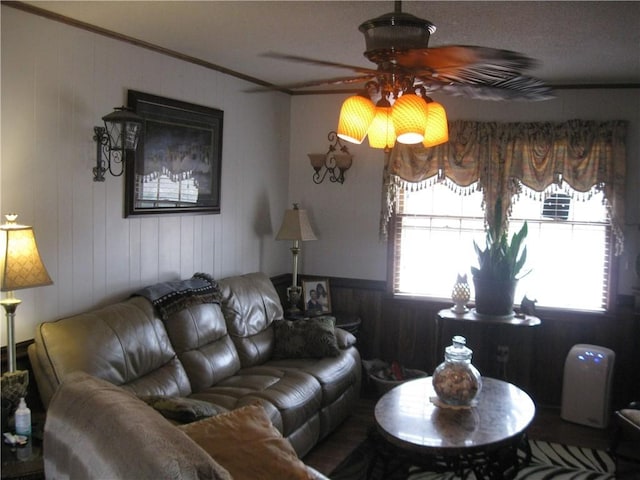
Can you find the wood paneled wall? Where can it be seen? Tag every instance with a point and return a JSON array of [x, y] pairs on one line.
[[405, 329]]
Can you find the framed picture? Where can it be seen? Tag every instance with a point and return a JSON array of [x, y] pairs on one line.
[[176, 167], [317, 300]]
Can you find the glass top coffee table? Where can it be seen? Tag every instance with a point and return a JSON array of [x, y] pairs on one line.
[[484, 438]]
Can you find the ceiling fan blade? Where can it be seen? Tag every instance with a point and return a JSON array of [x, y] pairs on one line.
[[314, 83], [461, 61], [314, 61], [514, 88], [475, 72]]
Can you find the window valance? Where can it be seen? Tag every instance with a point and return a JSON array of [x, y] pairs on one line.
[[500, 158]]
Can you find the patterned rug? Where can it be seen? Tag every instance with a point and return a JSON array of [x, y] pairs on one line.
[[549, 461]]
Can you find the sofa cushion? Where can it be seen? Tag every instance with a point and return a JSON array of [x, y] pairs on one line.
[[305, 338], [250, 304], [124, 343], [291, 396], [199, 336], [180, 409], [334, 374], [245, 443], [96, 430]]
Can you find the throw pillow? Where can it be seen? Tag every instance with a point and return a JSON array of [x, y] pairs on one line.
[[306, 338], [181, 409], [245, 442]]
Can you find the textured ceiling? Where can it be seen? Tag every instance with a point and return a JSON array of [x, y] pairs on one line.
[[575, 42]]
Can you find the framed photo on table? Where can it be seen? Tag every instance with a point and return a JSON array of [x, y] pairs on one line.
[[177, 165], [316, 294]]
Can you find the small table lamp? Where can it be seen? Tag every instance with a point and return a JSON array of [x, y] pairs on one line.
[[20, 267], [296, 227]]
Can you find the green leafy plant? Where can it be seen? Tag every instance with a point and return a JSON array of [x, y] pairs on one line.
[[501, 259]]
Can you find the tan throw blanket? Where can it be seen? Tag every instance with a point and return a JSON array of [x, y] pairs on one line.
[[96, 430]]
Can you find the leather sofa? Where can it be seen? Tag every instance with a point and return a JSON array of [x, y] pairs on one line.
[[221, 352]]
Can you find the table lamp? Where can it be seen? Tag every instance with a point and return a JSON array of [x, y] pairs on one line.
[[296, 227], [20, 267]]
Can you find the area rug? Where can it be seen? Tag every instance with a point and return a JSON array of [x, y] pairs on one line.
[[549, 461]]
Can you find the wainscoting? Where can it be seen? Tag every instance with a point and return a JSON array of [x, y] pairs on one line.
[[404, 329]]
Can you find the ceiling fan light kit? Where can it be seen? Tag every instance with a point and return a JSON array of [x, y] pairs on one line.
[[356, 115], [437, 130], [409, 115], [381, 132]]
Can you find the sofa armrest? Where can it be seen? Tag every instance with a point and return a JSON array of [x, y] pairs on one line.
[[344, 339], [96, 430], [316, 475]]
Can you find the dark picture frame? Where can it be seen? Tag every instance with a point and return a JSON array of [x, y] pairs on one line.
[[178, 162], [311, 288]]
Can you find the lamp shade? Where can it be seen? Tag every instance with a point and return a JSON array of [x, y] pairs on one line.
[[382, 133], [437, 130], [296, 226], [356, 115], [343, 160], [20, 263], [409, 116], [317, 160]]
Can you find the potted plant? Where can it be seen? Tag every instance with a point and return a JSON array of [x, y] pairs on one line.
[[500, 264]]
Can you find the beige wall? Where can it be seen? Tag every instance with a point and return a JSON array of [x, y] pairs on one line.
[[346, 217], [57, 83]]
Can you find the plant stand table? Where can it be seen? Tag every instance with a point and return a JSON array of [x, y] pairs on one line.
[[502, 346]]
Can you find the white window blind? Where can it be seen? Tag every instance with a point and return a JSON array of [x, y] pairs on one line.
[[568, 246]]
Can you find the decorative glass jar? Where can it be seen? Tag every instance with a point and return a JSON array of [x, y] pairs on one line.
[[456, 381]]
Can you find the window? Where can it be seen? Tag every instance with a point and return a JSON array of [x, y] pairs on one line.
[[568, 245]]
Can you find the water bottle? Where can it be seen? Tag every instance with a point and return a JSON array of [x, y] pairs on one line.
[[23, 419]]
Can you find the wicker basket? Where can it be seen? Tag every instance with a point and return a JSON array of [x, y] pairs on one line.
[[384, 385]]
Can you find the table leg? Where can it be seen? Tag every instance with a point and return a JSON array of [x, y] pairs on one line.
[[503, 463]]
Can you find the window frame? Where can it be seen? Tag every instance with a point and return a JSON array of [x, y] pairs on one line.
[[611, 275]]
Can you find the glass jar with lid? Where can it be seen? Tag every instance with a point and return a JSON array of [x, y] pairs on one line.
[[456, 381]]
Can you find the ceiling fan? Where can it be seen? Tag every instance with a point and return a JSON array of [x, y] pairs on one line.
[[398, 44]]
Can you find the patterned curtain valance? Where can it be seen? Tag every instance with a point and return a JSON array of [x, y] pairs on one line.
[[503, 156]]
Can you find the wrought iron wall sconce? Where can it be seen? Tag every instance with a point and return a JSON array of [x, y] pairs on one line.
[[120, 134], [335, 162]]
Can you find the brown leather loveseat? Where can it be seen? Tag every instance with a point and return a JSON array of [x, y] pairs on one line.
[[230, 353]]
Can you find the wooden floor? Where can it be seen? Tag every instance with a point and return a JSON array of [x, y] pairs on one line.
[[547, 425]]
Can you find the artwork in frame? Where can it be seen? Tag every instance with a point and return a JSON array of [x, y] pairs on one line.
[[317, 299], [177, 165]]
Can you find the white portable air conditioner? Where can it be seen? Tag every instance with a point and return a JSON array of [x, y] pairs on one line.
[[586, 385]]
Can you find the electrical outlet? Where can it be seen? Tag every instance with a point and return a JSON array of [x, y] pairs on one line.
[[503, 354]]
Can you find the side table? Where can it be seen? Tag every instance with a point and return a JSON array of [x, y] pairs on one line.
[[349, 322], [25, 463]]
